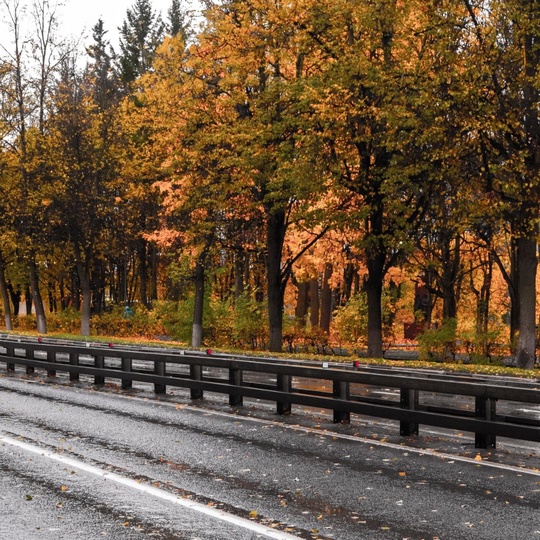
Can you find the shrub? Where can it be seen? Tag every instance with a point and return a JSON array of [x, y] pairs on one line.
[[350, 320], [439, 343], [144, 323]]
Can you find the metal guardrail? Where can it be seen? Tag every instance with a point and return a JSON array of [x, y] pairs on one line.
[[179, 368]]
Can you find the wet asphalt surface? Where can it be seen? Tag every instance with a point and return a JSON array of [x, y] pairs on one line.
[[301, 474]]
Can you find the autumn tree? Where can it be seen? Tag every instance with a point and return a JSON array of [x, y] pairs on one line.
[[498, 89], [178, 21], [373, 123], [32, 62], [269, 56], [140, 34], [82, 142]]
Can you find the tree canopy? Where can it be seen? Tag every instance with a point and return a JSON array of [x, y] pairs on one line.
[[296, 156]]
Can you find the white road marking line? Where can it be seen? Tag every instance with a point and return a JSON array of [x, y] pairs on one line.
[[155, 492]]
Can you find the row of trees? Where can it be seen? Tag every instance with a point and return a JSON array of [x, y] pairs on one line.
[[280, 142]]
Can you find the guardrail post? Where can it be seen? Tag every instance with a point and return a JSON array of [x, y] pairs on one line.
[[127, 365], [486, 409], [235, 378], [341, 391], [284, 384], [10, 351], [51, 358], [73, 361], [99, 362], [159, 369], [195, 373], [408, 400], [30, 356]]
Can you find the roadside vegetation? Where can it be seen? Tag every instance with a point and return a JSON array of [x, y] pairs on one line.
[[302, 176]]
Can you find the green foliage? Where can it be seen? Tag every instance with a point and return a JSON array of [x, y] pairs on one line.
[[482, 348], [249, 322], [350, 320], [144, 323], [177, 318], [239, 323], [439, 343], [68, 320]]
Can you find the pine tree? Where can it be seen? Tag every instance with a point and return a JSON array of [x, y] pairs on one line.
[[140, 34]]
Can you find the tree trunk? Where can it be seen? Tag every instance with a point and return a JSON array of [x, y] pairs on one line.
[[275, 236], [86, 299], [314, 304], [326, 299], [197, 329], [143, 272], [527, 265], [302, 303], [374, 286], [348, 276], [239, 265], [75, 290], [28, 300], [483, 298], [121, 282], [86, 289], [15, 298], [154, 263], [5, 298], [36, 297], [450, 276]]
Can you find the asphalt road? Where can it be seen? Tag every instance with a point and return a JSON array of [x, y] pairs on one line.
[[80, 463]]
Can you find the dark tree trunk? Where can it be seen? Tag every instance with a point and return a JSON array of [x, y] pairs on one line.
[[86, 291], [527, 260], [302, 303], [154, 262], [53, 308], [374, 286], [275, 236], [121, 282], [5, 298], [239, 265], [36, 297], [28, 300], [86, 288], [527, 264], [198, 310], [143, 272], [483, 298], [326, 299], [314, 303], [450, 275], [348, 277], [75, 290], [15, 298]]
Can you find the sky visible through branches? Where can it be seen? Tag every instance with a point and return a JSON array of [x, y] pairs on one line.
[[77, 18]]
